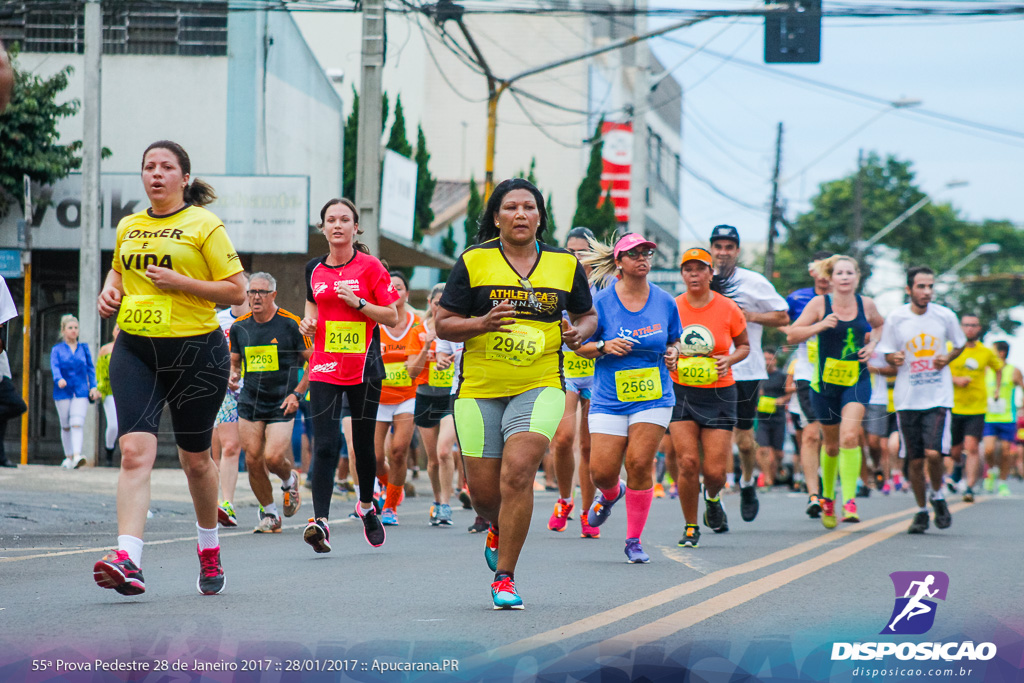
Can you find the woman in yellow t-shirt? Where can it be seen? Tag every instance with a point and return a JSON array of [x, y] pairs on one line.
[[172, 263]]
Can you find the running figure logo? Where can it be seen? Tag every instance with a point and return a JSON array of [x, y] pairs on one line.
[[914, 612]]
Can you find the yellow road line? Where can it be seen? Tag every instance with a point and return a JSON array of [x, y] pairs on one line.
[[674, 593], [683, 619]]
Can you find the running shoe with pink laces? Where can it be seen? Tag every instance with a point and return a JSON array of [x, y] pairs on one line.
[[828, 512], [117, 571], [561, 515], [211, 579], [850, 512]]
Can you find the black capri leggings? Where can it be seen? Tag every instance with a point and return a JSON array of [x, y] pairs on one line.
[[187, 374], [325, 402]]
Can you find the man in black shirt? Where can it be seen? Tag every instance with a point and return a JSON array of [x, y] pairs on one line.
[[267, 344], [771, 419]]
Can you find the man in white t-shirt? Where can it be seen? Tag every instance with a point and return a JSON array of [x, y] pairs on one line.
[[11, 405], [763, 307], [914, 340]]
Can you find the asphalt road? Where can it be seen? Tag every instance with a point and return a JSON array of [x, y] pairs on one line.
[[768, 599]]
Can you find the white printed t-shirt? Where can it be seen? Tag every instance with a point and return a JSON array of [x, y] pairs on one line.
[[754, 293], [919, 386]]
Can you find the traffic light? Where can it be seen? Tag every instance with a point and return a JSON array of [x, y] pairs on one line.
[[793, 35]]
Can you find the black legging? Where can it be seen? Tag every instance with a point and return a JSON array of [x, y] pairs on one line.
[[325, 405]]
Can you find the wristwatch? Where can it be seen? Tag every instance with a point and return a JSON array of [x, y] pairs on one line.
[[600, 347], [297, 395], [362, 304]]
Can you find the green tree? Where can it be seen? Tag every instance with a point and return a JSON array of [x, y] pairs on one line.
[[349, 152], [552, 228], [473, 210], [425, 186], [28, 131], [935, 236], [591, 211], [448, 247], [398, 141]]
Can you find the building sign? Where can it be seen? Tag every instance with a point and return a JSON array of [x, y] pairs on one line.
[[617, 158], [262, 214], [398, 195], [10, 264]]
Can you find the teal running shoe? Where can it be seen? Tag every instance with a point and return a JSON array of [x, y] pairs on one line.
[[503, 592]]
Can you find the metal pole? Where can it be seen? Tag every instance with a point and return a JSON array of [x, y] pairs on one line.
[[89, 252], [769, 256], [893, 225], [368, 153], [26, 349], [641, 93]]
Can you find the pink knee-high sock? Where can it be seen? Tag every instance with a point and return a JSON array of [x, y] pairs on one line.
[[612, 493], [638, 506]]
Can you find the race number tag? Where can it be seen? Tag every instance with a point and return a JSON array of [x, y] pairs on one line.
[[397, 375], [261, 358], [146, 315], [345, 337], [521, 345], [997, 406], [641, 384], [844, 373], [441, 378], [766, 404], [578, 367], [696, 371]]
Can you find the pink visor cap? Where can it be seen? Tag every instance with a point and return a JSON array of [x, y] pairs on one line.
[[631, 240]]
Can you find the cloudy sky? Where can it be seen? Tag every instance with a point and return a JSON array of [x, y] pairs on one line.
[[964, 67]]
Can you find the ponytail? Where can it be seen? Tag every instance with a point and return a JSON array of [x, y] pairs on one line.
[[601, 260], [199, 193]]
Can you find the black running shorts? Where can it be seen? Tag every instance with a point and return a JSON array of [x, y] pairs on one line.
[[923, 430], [187, 374], [711, 408], [747, 393]]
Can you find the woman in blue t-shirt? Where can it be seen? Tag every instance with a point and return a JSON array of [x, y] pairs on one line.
[[631, 402]]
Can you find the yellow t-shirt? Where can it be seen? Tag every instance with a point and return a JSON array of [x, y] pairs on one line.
[[500, 364], [192, 242], [972, 362]]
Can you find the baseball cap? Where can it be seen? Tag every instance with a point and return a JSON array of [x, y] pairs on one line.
[[631, 240], [696, 254], [725, 232]]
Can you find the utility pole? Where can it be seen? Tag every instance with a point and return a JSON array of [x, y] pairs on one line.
[[92, 213], [769, 257], [641, 92], [368, 138]]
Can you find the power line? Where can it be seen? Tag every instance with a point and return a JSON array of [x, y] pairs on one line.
[[855, 94]]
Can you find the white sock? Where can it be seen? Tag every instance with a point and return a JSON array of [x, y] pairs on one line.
[[133, 546], [292, 481], [207, 537], [356, 487], [938, 495], [744, 483], [730, 478], [271, 509], [923, 509], [993, 472], [376, 486]]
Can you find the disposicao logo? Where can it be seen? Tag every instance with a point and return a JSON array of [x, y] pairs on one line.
[[916, 592], [913, 614]]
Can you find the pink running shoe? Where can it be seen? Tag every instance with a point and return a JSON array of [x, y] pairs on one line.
[[561, 515], [587, 531]]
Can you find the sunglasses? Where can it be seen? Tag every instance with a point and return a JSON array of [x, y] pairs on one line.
[[261, 292], [637, 254], [531, 297]]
